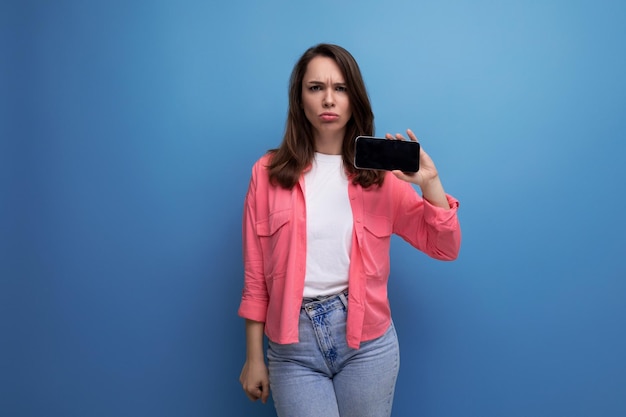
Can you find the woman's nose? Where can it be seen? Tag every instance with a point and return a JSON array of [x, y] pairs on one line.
[[329, 100]]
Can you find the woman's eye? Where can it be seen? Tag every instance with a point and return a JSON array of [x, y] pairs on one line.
[[342, 89], [315, 88]]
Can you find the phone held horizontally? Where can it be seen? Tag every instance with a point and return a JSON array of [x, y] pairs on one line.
[[386, 154]]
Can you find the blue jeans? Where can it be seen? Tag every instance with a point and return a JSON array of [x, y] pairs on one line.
[[322, 377]]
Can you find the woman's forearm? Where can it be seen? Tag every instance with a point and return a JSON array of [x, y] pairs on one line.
[[434, 193], [254, 340]]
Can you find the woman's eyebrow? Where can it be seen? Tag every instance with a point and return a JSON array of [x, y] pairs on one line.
[[323, 83]]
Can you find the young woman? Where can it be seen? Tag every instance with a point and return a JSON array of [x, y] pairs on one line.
[[316, 235]]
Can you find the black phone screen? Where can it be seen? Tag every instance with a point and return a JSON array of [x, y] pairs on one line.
[[386, 154]]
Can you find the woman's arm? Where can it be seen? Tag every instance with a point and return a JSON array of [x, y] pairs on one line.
[[427, 178], [254, 377], [254, 297], [431, 223]]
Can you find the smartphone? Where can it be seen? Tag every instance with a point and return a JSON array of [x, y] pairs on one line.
[[386, 154]]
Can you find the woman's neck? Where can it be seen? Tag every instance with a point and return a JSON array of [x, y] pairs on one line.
[[329, 144]]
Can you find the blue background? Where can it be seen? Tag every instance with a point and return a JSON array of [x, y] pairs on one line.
[[128, 133]]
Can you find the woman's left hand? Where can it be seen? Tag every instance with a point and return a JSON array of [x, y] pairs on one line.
[[427, 170], [427, 177]]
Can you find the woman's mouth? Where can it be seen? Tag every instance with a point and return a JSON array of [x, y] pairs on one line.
[[329, 117]]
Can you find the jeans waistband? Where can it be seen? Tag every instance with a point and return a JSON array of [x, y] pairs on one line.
[[309, 303]]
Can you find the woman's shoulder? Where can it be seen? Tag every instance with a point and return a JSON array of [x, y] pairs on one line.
[[260, 169], [263, 162]]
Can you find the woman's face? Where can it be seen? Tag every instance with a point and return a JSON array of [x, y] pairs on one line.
[[325, 98]]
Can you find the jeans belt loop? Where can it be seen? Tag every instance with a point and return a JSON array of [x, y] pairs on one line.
[[343, 298]]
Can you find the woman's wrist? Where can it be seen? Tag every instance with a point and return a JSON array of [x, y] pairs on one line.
[[433, 192]]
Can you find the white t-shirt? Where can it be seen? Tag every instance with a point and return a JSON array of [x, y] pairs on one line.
[[329, 227]]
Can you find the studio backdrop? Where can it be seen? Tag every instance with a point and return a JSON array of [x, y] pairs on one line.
[[128, 133]]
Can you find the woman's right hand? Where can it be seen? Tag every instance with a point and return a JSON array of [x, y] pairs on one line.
[[255, 380]]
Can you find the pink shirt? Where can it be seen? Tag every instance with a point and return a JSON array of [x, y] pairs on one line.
[[274, 251]]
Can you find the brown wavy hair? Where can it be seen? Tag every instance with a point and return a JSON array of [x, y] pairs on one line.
[[297, 149]]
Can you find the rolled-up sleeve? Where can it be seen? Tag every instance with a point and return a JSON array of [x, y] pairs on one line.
[[254, 299], [431, 229]]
